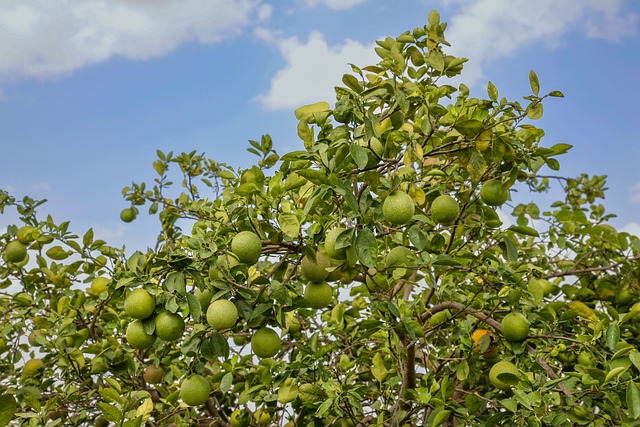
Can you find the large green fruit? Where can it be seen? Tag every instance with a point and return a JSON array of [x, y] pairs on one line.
[[153, 374], [444, 209], [330, 245], [246, 245], [515, 327], [222, 314], [98, 285], [502, 367], [128, 214], [195, 390], [398, 208], [169, 326], [318, 295], [137, 337], [204, 298], [139, 304], [315, 271], [493, 193], [15, 252], [265, 342]]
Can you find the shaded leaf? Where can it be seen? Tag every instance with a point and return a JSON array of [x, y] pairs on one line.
[[8, 408], [633, 400], [366, 247], [535, 83]]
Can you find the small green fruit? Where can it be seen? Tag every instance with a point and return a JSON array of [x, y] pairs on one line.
[[169, 326], [222, 314], [265, 342], [444, 209], [195, 390], [246, 245], [398, 208], [139, 304]]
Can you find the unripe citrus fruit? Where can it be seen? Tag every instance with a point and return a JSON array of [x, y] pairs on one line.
[[315, 271], [400, 257], [195, 390], [398, 208], [318, 295], [101, 422], [15, 252], [515, 327], [493, 194], [222, 314], [3, 346], [204, 297], [265, 342], [246, 245], [240, 418], [169, 326], [330, 245], [98, 285], [127, 214], [27, 234], [239, 339], [32, 367], [153, 374], [444, 209], [502, 367], [345, 422], [137, 337], [139, 304]]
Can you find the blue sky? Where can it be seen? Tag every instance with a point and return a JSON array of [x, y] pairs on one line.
[[90, 89]]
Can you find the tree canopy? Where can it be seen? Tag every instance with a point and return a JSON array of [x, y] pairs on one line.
[[366, 279]]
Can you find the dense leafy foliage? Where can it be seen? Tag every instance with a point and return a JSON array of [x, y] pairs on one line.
[[402, 337]]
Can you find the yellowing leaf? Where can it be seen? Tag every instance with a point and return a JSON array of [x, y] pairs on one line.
[[307, 111], [145, 410], [582, 310], [379, 370]]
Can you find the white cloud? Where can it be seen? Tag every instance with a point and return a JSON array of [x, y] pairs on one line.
[[51, 37], [312, 69], [486, 30], [336, 4], [632, 228], [635, 193]]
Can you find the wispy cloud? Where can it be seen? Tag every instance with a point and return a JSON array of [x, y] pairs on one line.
[[487, 30], [312, 69], [632, 228], [635, 193], [336, 4], [44, 38]]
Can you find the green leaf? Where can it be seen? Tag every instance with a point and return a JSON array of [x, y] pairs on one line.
[[477, 166], [493, 92], [535, 83], [175, 282], [523, 229], [634, 356], [194, 306], [366, 247], [289, 225], [287, 391], [469, 127], [57, 253], [556, 94], [110, 412], [512, 252], [614, 373], [352, 83], [315, 176], [8, 408], [510, 404], [359, 155], [560, 149], [226, 382], [535, 111], [87, 239], [613, 336], [441, 417], [633, 400]]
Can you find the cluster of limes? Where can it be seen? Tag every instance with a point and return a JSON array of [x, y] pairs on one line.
[[142, 332]]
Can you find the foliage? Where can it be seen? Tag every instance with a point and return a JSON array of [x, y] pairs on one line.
[[375, 355]]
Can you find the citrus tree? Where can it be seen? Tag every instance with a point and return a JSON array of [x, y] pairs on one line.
[[365, 279]]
